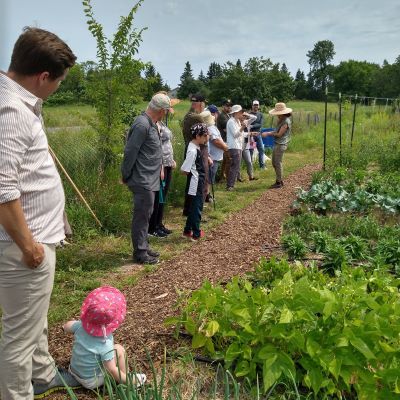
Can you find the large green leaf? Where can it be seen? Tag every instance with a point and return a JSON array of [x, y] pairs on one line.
[[212, 328], [362, 347]]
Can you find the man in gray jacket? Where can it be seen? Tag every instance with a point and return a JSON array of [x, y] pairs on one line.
[[141, 170]]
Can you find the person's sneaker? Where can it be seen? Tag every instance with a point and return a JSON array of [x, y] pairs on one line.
[[145, 259], [153, 253], [137, 379], [277, 185], [187, 234], [253, 178], [165, 230], [62, 379], [158, 234], [202, 234], [240, 180], [229, 189], [209, 198]]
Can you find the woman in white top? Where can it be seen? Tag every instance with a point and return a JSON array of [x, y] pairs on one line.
[[234, 135]]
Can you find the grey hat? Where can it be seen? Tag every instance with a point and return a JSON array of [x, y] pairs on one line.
[[160, 101]]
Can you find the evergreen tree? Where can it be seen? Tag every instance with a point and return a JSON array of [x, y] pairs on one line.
[[202, 78], [188, 84], [301, 88], [214, 71]]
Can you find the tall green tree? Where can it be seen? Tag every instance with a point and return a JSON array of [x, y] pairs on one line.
[[214, 71], [301, 90], [386, 82], [188, 85], [202, 78], [154, 82], [117, 83], [355, 77], [321, 69]]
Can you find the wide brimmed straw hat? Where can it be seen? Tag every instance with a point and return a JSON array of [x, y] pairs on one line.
[[236, 108], [207, 117], [280, 108], [103, 311]]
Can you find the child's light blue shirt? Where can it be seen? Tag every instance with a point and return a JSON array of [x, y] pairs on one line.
[[89, 352]]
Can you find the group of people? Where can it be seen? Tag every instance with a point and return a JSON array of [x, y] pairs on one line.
[[32, 206]]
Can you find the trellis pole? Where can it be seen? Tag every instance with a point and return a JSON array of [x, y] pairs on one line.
[[354, 119], [340, 128], [325, 117]]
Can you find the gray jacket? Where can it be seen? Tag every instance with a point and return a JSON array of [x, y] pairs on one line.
[[141, 165]]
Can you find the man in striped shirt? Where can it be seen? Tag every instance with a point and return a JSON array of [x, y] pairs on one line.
[[31, 213]]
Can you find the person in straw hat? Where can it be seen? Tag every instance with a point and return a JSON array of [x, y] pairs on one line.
[[281, 139], [94, 352]]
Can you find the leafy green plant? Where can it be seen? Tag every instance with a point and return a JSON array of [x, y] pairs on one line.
[[321, 241], [389, 251], [294, 245], [336, 257], [355, 246], [331, 335]]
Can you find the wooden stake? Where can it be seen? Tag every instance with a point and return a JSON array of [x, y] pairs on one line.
[[80, 195]]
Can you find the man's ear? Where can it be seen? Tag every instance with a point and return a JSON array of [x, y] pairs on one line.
[[43, 77]]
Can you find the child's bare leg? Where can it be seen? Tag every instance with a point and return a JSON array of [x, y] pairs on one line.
[[121, 358]]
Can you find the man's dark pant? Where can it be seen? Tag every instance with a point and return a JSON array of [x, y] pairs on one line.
[[143, 202], [194, 216], [260, 148]]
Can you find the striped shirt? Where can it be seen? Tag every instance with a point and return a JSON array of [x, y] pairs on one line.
[[27, 171]]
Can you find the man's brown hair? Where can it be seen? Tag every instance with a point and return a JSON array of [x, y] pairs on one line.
[[37, 51]]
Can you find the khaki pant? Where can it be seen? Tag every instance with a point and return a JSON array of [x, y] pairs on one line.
[[24, 300], [277, 157]]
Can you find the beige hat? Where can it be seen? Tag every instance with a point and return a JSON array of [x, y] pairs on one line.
[[236, 108], [160, 101], [280, 108], [207, 117]]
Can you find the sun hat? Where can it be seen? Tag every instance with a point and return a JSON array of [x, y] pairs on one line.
[[160, 101], [103, 311], [212, 108], [236, 108], [256, 103], [207, 117], [280, 108]]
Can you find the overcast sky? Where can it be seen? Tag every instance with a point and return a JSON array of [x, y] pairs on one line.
[[210, 30]]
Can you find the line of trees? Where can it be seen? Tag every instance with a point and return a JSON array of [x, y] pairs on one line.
[[262, 79]]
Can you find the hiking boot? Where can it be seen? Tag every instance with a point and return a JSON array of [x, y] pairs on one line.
[[62, 379], [145, 259], [229, 189], [240, 180], [277, 185], [153, 253], [209, 198], [158, 234]]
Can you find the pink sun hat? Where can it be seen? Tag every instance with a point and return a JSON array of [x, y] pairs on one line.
[[103, 311]]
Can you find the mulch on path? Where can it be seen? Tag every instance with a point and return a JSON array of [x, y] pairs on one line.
[[230, 249]]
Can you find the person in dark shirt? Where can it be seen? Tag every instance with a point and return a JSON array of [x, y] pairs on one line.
[[141, 172], [222, 120]]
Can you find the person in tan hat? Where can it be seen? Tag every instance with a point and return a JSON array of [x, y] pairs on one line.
[[281, 139]]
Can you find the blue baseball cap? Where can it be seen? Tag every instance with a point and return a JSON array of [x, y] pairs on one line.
[[212, 108]]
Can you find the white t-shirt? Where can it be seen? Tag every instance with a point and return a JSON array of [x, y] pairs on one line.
[[189, 165], [234, 136]]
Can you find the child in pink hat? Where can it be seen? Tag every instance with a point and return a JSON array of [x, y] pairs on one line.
[[94, 351]]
